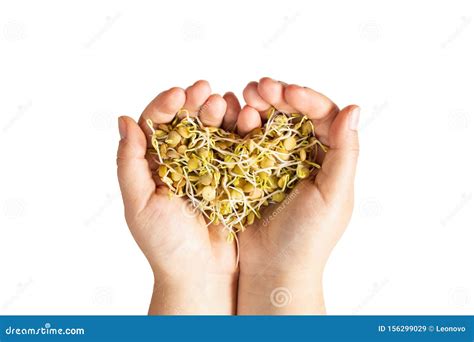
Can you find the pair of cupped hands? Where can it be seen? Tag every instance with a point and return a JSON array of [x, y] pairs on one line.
[[279, 266]]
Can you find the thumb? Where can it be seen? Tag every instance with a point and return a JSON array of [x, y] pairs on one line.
[[134, 175], [336, 177]]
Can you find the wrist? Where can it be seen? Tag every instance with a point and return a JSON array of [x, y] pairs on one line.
[[195, 294], [284, 293]]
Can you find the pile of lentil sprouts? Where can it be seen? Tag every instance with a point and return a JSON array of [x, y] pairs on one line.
[[230, 178]]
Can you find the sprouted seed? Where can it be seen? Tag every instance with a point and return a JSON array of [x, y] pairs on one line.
[[229, 178]]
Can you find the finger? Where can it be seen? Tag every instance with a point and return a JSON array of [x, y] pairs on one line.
[[272, 92], [253, 98], [315, 106], [336, 177], [217, 233], [232, 111], [153, 164], [196, 96], [134, 175], [212, 112], [162, 109], [248, 119]]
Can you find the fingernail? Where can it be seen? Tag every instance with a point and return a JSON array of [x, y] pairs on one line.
[[122, 128], [354, 119]]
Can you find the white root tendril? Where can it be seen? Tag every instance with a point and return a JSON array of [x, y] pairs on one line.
[[229, 178]]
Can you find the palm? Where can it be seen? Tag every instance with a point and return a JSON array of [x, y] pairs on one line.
[[300, 230], [168, 231], [313, 217], [172, 231]]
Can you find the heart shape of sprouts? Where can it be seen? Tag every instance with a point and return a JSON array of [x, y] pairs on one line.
[[230, 178]]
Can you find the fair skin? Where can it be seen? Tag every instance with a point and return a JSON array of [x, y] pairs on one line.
[[285, 252]]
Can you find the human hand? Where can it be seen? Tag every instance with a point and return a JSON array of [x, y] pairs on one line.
[[194, 267], [282, 255]]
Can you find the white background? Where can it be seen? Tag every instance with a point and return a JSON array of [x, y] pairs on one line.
[[67, 71]]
